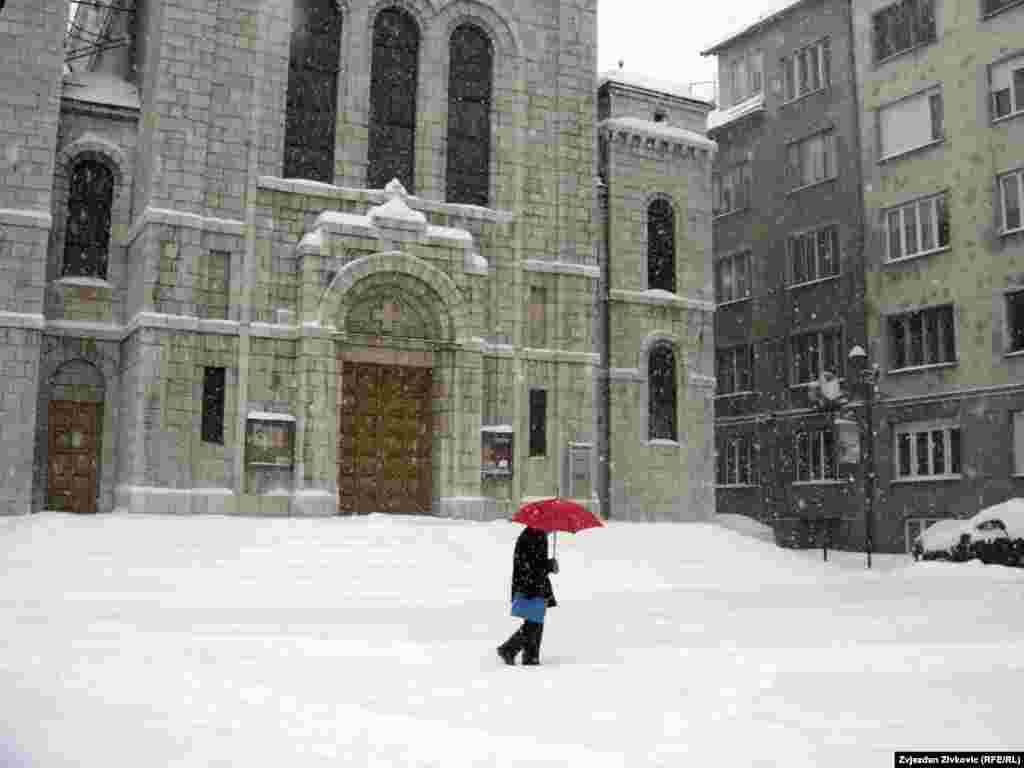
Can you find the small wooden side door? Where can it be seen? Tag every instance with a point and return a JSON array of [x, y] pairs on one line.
[[72, 484]]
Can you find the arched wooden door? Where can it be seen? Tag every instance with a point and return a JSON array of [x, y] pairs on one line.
[[73, 476]]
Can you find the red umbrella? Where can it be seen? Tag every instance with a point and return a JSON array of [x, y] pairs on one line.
[[554, 515]]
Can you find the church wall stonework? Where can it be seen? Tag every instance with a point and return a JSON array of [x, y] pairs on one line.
[[217, 261]]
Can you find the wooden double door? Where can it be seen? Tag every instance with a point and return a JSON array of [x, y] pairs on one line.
[[73, 471], [385, 439]]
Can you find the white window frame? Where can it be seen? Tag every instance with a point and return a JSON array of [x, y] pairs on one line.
[[913, 429], [732, 178], [737, 449], [791, 85], [1000, 182], [1011, 65], [813, 237], [830, 333], [904, 317], [828, 162], [934, 137], [736, 353], [900, 212], [822, 473], [743, 77], [731, 259]]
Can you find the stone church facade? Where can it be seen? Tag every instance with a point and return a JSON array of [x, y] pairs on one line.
[[313, 257]]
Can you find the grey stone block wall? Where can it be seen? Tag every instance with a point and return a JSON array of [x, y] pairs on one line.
[[19, 365]]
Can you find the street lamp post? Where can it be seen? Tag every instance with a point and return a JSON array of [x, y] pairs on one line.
[[869, 377]]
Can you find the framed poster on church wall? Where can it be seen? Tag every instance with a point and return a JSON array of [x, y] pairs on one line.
[[496, 445]]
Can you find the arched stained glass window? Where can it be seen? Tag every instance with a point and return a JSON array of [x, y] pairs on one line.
[[471, 66], [661, 246], [312, 102], [393, 77], [661, 400], [87, 230]]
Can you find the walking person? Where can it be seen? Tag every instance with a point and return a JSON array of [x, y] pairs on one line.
[[532, 595]]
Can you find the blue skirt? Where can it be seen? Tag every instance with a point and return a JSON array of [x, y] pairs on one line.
[[529, 608]]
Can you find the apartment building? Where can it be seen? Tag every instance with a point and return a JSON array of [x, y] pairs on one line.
[[789, 275], [941, 86]]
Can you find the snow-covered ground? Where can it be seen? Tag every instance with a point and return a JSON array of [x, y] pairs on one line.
[[162, 641]]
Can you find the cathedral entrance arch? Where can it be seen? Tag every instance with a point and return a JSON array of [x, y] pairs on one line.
[[393, 343]]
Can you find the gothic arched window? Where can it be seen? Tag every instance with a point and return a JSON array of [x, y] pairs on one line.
[[87, 230], [471, 64], [661, 246], [393, 77], [312, 102], [661, 394]]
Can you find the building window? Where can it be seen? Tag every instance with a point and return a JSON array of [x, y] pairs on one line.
[[1018, 442], [212, 430], [995, 6], [312, 100], [911, 123], [734, 369], [1007, 78], [471, 64], [922, 337], [811, 160], [661, 382], [1011, 192], [731, 189], [902, 26], [815, 352], [393, 77], [742, 77], [917, 228], [661, 246], [737, 462], [538, 422], [814, 255], [732, 277], [927, 451], [815, 454], [1015, 321], [87, 228], [807, 70]]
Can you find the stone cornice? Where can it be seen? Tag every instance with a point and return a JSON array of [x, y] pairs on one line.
[[185, 220], [23, 217], [662, 298], [650, 139], [563, 268]]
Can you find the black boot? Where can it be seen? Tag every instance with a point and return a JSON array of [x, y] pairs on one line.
[[531, 648], [508, 650]]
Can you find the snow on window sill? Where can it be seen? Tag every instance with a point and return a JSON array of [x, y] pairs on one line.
[[732, 301], [1014, 353], [739, 393], [736, 486], [730, 212], [919, 255], [1014, 231], [84, 282], [926, 479], [904, 152], [904, 52], [802, 96], [813, 184], [662, 442], [799, 483], [805, 384], [919, 368], [1007, 116], [997, 11], [815, 281]]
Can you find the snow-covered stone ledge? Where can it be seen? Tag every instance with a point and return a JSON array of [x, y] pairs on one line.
[[661, 298]]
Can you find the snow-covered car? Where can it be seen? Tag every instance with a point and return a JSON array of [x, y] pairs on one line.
[[994, 535]]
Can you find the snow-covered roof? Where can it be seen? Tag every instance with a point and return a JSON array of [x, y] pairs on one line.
[[101, 88], [660, 130], [638, 80], [763, 20]]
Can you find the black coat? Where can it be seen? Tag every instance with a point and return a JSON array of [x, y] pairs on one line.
[[531, 566]]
